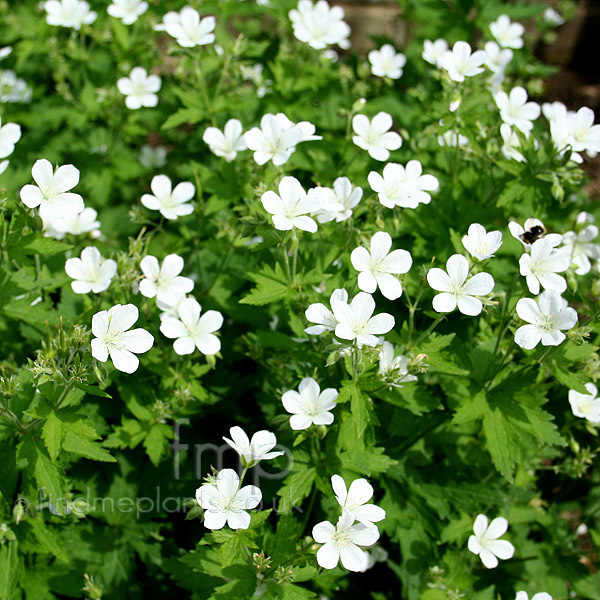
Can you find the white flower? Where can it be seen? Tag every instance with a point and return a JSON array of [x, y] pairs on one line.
[[309, 405], [10, 134], [532, 230], [320, 314], [68, 13], [112, 338], [452, 139], [375, 135], [139, 88], [189, 30], [515, 110], [354, 500], [226, 143], [546, 318], [127, 10], [342, 541], [51, 193], [538, 596], [394, 368], [378, 267], [479, 243], [170, 18], [586, 406], [433, 51], [225, 503], [542, 265], [171, 203], [496, 58], [4, 52], [386, 62], [83, 222], [153, 157], [355, 320], [486, 544], [336, 203], [584, 135], [192, 330], [290, 209], [508, 35], [401, 186], [457, 289], [511, 148], [460, 63], [320, 25], [582, 248], [164, 281], [90, 272], [13, 89], [552, 18], [253, 450], [170, 309]]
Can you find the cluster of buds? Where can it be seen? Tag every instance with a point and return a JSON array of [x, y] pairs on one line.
[[261, 562]]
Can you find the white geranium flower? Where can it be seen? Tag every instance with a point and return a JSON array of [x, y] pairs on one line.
[[586, 406], [320, 25], [163, 281], [378, 267], [552, 17], [457, 289], [290, 209], [496, 58], [585, 136], [127, 10], [10, 134], [452, 138], [90, 272], [401, 186], [190, 330], [226, 143], [171, 203], [354, 500], [375, 136], [51, 192], [461, 63], [386, 62], [433, 51], [69, 13], [393, 368], [4, 52], [153, 157], [480, 244], [547, 318], [485, 542], [336, 203], [13, 89], [83, 222], [342, 541], [582, 248], [170, 309], [538, 596], [323, 317], [542, 265], [252, 451], [515, 110], [139, 88], [532, 230], [355, 320], [508, 34], [112, 338], [189, 30], [511, 147], [309, 405], [225, 503]]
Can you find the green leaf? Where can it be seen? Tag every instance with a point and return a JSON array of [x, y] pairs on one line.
[[39, 466], [44, 246], [156, 441], [271, 286], [85, 447], [53, 435], [362, 410], [498, 440]]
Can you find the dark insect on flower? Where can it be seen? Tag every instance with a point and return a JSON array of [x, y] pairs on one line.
[[533, 234]]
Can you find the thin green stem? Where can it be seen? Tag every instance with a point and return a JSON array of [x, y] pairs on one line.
[[429, 329]]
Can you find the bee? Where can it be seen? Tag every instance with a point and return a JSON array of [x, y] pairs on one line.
[[533, 234]]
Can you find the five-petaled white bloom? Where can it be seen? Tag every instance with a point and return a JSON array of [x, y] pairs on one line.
[[290, 209], [139, 88], [90, 272], [309, 405], [538, 596], [433, 51], [479, 243], [378, 267], [507, 34], [375, 136], [386, 62], [401, 186], [323, 317], [511, 147], [496, 58], [10, 134], [320, 25], [393, 369], [354, 500], [112, 338], [153, 157], [190, 330], [486, 544], [163, 281], [252, 451], [188, 29], [127, 10], [460, 63], [75, 224], [586, 406], [69, 13], [457, 289], [355, 320], [51, 193], [532, 230], [515, 110], [547, 318], [226, 143], [171, 203], [542, 265], [582, 248], [225, 503], [337, 203], [342, 541]]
